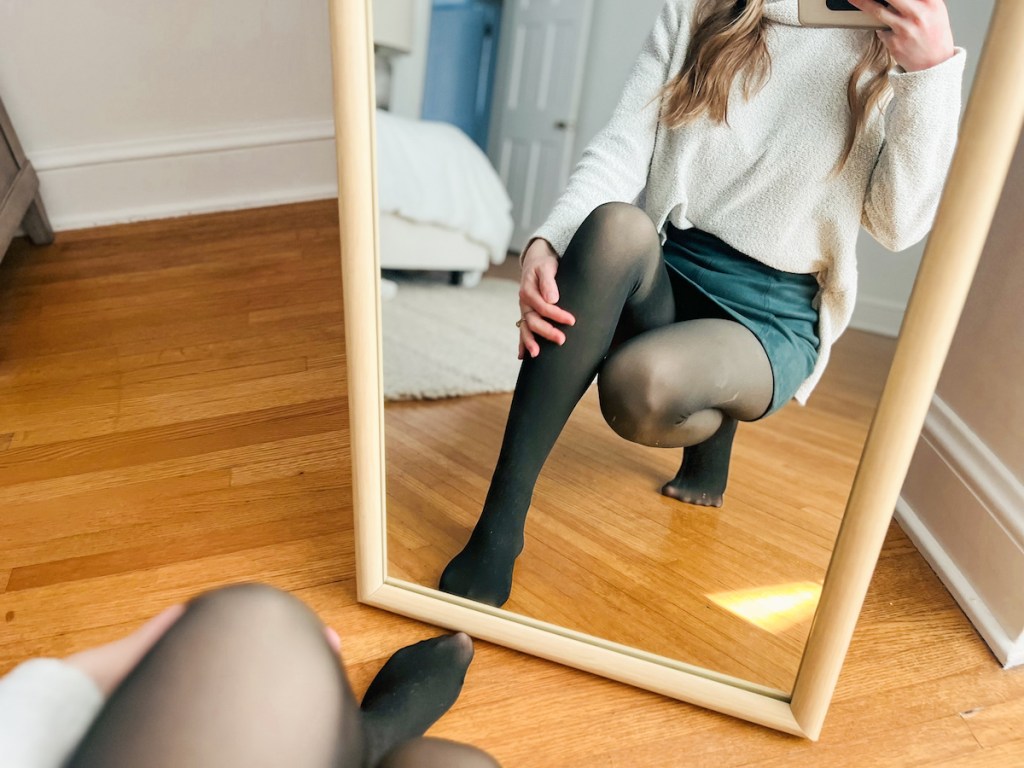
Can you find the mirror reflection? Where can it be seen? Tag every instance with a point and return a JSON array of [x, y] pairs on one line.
[[704, 339]]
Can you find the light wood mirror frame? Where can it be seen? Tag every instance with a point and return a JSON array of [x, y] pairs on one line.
[[991, 129]]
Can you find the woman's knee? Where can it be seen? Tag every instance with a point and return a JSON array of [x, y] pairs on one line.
[[639, 398], [619, 234], [245, 606]]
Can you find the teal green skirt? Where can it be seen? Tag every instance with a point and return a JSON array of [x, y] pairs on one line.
[[712, 279]]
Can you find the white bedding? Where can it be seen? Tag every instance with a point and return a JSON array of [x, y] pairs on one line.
[[432, 173]]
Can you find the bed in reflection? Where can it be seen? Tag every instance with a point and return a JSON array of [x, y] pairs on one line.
[[442, 205]]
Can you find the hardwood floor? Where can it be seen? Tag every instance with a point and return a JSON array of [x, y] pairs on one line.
[[173, 419]]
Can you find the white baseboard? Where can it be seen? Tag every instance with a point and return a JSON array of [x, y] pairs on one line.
[[880, 316], [182, 175], [990, 513], [1009, 650], [978, 467]]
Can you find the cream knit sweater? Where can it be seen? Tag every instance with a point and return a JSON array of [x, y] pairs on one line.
[[764, 183]]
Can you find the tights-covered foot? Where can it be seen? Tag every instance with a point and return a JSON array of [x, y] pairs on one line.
[[412, 691], [704, 473], [482, 571]]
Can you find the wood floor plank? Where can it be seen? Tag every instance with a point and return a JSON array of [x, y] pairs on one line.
[[922, 745], [997, 725], [1004, 756], [299, 508], [161, 469], [288, 565], [63, 525], [175, 440], [105, 520], [232, 398], [325, 453], [207, 342], [181, 547]]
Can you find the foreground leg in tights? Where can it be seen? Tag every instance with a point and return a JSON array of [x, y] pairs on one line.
[[613, 279], [247, 678], [437, 753]]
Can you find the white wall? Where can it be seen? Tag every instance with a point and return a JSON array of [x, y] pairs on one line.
[[886, 278], [142, 110], [618, 31], [410, 70]]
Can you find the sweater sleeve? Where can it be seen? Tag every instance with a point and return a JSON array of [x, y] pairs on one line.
[[614, 166], [921, 127], [46, 706]]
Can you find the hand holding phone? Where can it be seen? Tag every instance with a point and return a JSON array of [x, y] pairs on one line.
[[917, 32]]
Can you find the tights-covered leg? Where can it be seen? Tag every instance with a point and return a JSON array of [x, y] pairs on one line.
[[437, 753], [244, 678], [247, 678], [704, 472], [687, 385], [411, 692], [611, 277]]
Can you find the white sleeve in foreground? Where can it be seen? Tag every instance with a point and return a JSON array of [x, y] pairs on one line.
[[46, 706]]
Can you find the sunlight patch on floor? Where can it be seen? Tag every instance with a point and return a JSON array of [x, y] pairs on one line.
[[773, 609]]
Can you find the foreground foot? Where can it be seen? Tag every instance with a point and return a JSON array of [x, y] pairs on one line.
[[482, 571], [412, 691], [689, 492], [704, 473]]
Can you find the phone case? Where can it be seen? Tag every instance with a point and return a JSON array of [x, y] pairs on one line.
[[834, 13]]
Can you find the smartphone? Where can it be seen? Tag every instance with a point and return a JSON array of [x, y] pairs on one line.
[[835, 13]]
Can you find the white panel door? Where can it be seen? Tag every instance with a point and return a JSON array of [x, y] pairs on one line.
[[537, 99]]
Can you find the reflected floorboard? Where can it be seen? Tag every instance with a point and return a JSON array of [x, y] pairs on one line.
[[607, 555]]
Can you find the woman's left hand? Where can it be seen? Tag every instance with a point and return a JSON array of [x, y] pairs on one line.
[[109, 664], [918, 35]]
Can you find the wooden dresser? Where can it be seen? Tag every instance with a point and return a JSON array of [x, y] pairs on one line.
[[20, 204]]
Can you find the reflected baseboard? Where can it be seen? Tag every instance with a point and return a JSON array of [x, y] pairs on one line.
[[876, 315]]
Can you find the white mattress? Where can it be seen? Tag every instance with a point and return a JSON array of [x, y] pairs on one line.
[[432, 173], [406, 244]]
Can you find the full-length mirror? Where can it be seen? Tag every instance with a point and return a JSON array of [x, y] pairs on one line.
[[657, 491], [486, 107]]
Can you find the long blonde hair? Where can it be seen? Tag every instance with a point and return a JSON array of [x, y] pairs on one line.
[[730, 41]]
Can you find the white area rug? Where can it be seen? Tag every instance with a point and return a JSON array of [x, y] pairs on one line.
[[443, 341]]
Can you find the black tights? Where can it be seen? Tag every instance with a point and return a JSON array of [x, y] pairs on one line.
[[247, 678], [661, 383]]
